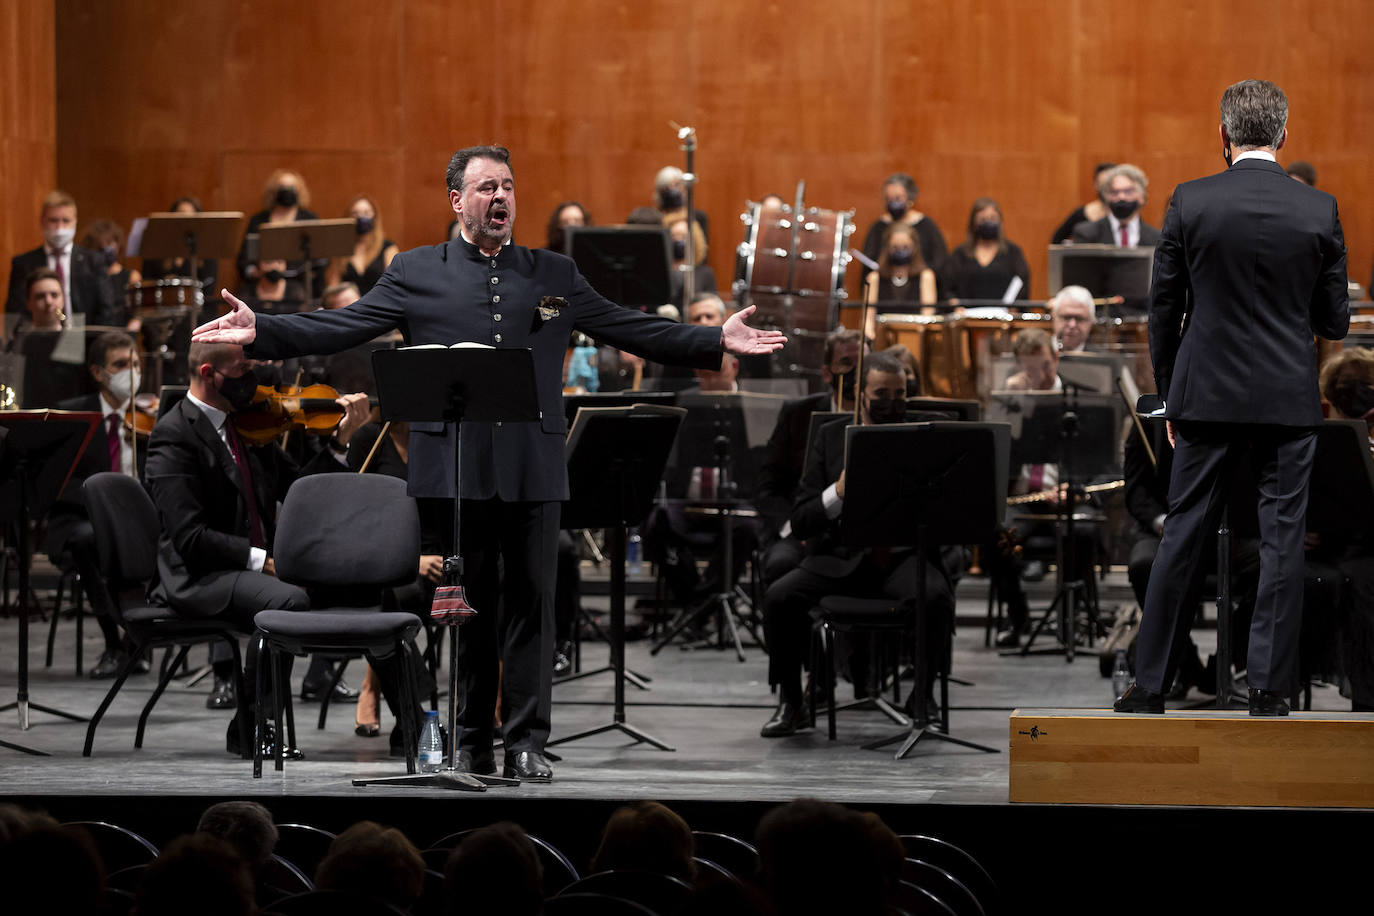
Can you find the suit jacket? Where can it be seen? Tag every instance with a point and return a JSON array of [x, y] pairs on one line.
[[825, 554], [90, 288], [69, 510], [447, 293], [1250, 265], [1099, 232], [200, 497], [781, 471]]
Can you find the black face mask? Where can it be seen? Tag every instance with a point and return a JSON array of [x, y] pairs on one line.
[[899, 257], [286, 197], [239, 391], [896, 209], [987, 230], [273, 275], [886, 410], [364, 224], [1124, 209], [110, 254], [670, 199], [1354, 399], [679, 249]]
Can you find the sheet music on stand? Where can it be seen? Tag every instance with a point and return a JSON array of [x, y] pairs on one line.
[[745, 420]]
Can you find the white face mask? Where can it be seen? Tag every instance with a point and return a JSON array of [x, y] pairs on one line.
[[59, 238], [123, 384]]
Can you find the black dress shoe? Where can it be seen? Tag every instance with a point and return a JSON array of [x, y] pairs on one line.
[[222, 695], [527, 766], [786, 719], [1267, 703], [269, 743], [109, 664], [1138, 699], [1009, 638], [312, 693], [481, 764], [562, 658]]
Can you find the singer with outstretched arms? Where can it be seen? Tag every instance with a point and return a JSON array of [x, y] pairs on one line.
[[1251, 264], [480, 287]]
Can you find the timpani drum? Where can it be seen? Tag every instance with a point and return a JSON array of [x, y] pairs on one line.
[[957, 352], [173, 291], [1129, 336]]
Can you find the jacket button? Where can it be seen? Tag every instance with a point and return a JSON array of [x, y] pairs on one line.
[[495, 299], [498, 338], [496, 317], [495, 280]]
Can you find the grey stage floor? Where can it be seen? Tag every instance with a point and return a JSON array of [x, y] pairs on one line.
[[704, 703]]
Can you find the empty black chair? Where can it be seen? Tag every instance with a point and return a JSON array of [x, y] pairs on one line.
[[887, 621], [345, 539], [126, 530], [663, 894], [950, 890], [303, 845], [119, 846], [958, 862], [737, 855]]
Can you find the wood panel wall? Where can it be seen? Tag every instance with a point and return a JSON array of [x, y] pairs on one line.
[[28, 120], [1016, 99]]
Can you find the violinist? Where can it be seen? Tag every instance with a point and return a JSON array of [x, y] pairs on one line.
[[113, 362], [217, 498]]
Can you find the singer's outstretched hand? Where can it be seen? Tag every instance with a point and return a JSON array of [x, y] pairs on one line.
[[239, 326], [739, 338]]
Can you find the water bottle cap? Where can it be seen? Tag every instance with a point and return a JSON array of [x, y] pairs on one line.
[[431, 714]]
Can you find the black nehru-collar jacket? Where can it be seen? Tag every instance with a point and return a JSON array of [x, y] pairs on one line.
[[444, 294]]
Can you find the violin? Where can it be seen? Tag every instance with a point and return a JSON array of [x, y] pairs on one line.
[[272, 413], [140, 415]]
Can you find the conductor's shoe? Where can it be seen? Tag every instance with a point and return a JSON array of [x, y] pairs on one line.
[[527, 766], [222, 695], [1267, 703], [786, 719], [481, 764], [1138, 699]]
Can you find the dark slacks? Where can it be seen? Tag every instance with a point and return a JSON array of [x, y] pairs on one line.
[[1206, 457], [509, 554], [788, 602]]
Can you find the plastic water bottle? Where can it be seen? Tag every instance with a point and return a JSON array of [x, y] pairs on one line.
[[633, 563], [431, 749], [1121, 674]]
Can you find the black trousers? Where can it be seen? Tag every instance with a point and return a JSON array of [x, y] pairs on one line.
[[510, 554], [1206, 457], [788, 602]]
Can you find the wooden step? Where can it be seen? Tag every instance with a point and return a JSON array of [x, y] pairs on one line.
[[1193, 757]]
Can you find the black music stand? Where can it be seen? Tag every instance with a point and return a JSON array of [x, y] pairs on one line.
[[453, 385], [924, 484], [305, 240], [40, 450], [626, 264], [615, 461]]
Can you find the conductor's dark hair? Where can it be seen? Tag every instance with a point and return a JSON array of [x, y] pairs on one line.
[[1254, 113], [458, 165]]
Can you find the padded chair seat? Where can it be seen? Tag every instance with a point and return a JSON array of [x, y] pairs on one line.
[[869, 612], [151, 615], [330, 625]]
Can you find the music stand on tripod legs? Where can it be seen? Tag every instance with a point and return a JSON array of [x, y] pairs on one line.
[[615, 461], [924, 484], [453, 385]]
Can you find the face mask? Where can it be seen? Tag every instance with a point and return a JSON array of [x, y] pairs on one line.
[[670, 198], [886, 410], [364, 224], [286, 197], [59, 238], [679, 249], [123, 384], [987, 230], [1354, 399], [1124, 209], [896, 209], [239, 391], [899, 257], [111, 253], [273, 275]]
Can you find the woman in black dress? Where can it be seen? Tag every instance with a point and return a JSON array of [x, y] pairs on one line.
[[285, 199], [902, 275], [984, 266], [372, 252]]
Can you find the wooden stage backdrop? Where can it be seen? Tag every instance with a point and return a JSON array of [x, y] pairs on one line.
[[1016, 99]]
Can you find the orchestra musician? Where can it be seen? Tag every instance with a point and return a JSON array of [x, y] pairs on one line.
[[1073, 315], [481, 287], [830, 568], [1231, 340], [217, 498], [79, 272], [1124, 189]]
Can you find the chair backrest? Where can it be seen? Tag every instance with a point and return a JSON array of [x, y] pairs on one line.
[[126, 527], [285, 876], [119, 846], [958, 862], [917, 901], [558, 868], [710, 873], [660, 893], [303, 845], [739, 856], [950, 890], [354, 529]]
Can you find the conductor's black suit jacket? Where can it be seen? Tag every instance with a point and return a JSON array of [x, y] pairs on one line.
[[1250, 265], [448, 293], [200, 497], [91, 292]]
